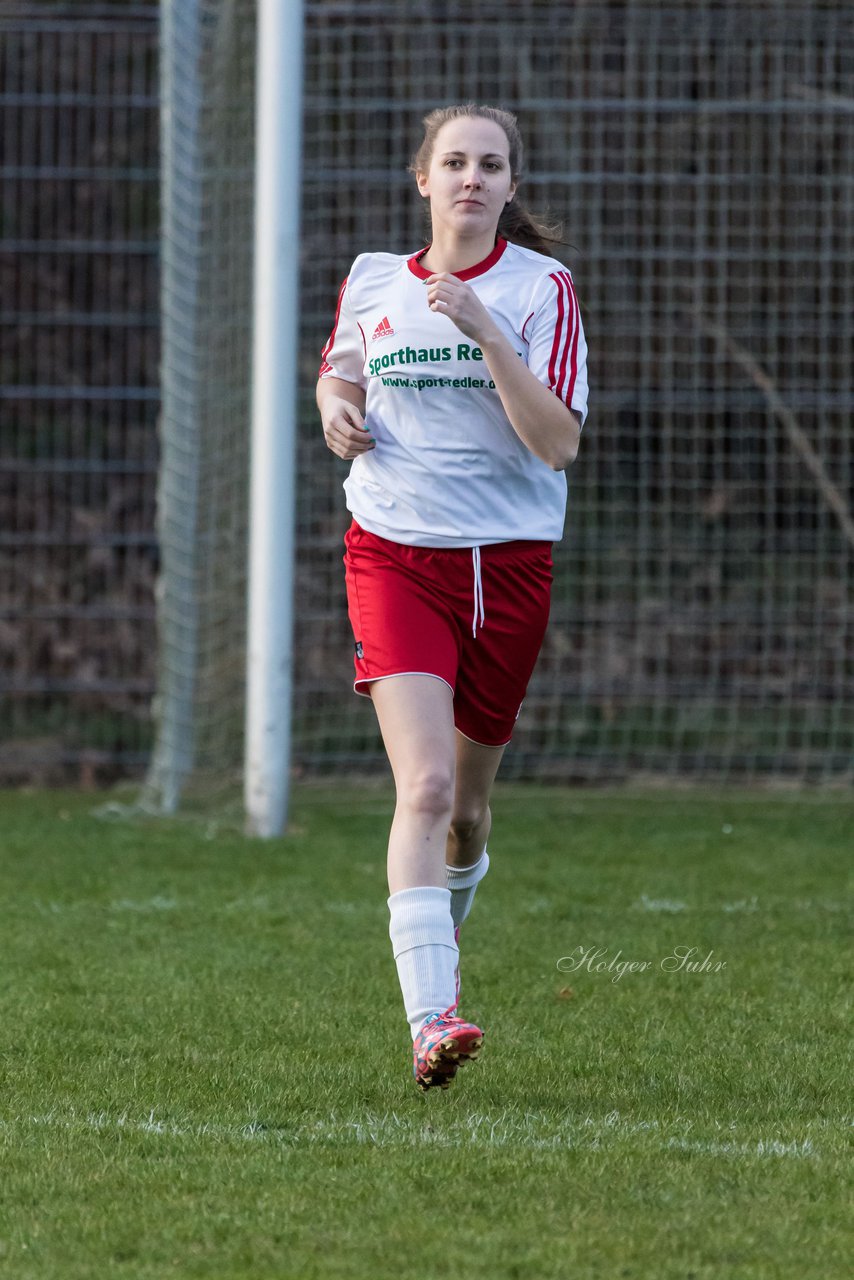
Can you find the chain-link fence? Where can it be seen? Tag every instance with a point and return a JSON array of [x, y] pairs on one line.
[[79, 388], [699, 155]]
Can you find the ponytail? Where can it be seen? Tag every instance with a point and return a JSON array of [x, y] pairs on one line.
[[518, 225]]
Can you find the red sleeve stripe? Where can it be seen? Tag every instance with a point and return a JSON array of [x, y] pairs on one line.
[[565, 343], [325, 366]]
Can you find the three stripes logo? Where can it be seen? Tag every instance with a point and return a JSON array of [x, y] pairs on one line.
[[383, 330]]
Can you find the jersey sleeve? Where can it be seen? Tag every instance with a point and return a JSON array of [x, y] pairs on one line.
[[344, 353], [557, 350]]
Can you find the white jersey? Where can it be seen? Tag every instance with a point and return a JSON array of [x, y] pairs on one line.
[[448, 469]]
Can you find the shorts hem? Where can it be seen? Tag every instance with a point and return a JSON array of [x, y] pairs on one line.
[[494, 745], [391, 675]]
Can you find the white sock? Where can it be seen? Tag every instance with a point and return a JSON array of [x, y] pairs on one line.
[[422, 939], [462, 882]]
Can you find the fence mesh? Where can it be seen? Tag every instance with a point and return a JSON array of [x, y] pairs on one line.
[[78, 388], [699, 156], [702, 617]]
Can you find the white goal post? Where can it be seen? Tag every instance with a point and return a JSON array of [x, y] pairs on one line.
[[231, 94], [269, 648]]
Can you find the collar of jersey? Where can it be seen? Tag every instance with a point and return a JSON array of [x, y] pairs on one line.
[[477, 270]]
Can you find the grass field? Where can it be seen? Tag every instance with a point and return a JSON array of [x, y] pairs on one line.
[[206, 1070]]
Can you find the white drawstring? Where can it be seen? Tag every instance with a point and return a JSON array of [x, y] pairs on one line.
[[478, 592]]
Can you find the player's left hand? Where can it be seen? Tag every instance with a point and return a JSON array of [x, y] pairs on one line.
[[449, 296]]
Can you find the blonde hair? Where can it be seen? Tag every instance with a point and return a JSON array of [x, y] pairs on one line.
[[516, 223]]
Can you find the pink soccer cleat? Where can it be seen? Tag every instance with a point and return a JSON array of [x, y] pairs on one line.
[[442, 1045]]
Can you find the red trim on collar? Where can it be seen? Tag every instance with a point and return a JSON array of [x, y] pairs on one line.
[[478, 269]]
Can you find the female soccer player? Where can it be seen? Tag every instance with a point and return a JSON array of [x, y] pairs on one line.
[[455, 379]]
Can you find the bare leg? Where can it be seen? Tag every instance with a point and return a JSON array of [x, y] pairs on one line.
[[416, 718], [471, 819]]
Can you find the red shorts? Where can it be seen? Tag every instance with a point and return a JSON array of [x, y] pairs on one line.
[[474, 617]]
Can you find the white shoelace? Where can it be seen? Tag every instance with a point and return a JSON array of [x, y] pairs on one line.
[[478, 592]]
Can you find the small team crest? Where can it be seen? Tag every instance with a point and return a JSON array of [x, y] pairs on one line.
[[383, 330], [359, 653]]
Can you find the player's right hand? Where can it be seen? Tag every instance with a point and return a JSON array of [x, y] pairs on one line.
[[344, 429]]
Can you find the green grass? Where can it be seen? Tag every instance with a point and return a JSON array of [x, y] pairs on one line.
[[206, 1069]]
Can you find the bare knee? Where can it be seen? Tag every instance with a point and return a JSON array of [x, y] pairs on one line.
[[465, 823], [429, 794]]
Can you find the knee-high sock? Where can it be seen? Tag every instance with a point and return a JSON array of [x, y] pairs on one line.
[[422, 937], [462, 882]]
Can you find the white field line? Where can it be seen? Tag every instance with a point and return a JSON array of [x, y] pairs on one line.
[[532, 1131], [745, 905], [658, 904], [258, 905], [763, 1147], [263, 904]]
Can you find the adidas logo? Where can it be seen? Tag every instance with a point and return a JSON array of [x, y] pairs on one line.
[[383, 330]]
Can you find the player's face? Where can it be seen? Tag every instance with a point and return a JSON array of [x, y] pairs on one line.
[[469, 179]]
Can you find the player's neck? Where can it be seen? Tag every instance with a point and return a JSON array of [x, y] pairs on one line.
[[450, 253]]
